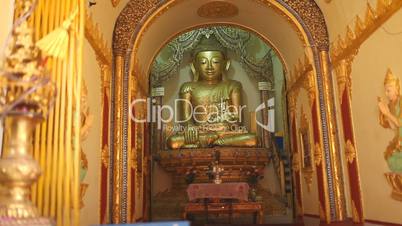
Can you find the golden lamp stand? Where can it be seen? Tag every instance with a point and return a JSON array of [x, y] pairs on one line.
[[25, 96]]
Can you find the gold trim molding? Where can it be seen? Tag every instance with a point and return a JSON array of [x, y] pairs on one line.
[[363, 29], [134, 11]]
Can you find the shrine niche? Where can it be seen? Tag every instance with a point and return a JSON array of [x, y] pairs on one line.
[[208, 87], [140, 40]]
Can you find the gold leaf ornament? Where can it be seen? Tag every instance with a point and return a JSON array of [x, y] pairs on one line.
[[350, 152]]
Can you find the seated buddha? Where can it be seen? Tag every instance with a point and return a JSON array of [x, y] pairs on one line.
[[210, 106]]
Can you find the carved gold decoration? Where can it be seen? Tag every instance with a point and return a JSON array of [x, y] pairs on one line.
[[95, 38], [24, 62], [86, 117], [302, 76], [363, 29], [309, 85], [218, 9], [128, 21], [395, 181], [317, 154], [312, 16], [308, 177], [296, 161], [345, 49], [292, 101], [134, 11], [105, 156], [343, 73], [115, 2], [350, 151]]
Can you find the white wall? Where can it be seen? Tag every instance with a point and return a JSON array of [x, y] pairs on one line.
[[380, 52]]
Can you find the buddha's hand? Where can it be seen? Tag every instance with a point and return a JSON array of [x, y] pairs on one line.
[[383, 107], [191, 135], [231, 117]]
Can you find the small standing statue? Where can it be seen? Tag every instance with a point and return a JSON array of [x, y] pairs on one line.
[[391, 117], [215, 171]]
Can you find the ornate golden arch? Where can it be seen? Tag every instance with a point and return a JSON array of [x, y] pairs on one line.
[[307, 21]]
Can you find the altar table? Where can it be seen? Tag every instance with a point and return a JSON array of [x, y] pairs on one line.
[[232, 198], [222, 191]]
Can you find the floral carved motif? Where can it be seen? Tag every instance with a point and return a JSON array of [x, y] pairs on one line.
[[312, 16], [350, 152], [128, 21], [317, 154], [217, 9]]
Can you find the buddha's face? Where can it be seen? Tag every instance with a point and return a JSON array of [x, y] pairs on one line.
[[391, 92], [210, 65]]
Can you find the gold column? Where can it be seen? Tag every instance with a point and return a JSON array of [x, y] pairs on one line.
[[332, 139]]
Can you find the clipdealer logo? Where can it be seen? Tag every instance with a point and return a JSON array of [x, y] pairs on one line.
[[163, 114]]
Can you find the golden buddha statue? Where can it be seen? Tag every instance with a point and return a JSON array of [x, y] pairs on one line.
[[210, 106]]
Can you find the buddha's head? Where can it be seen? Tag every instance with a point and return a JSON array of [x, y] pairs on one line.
[[392, 87], [209, 60]]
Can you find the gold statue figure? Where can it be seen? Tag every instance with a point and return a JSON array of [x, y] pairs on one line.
[[210, 105], [391, 117]]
